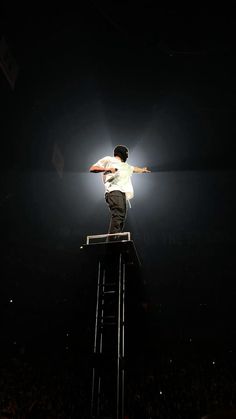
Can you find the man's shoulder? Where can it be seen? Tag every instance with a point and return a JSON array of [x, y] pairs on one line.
[[111, 160], [104, 159], [129, 166], [107, 158]]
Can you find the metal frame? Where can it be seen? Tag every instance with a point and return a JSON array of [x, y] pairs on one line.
[[103, 295], [111, 258]]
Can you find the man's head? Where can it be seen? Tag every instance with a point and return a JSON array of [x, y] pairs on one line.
[[122, 152]]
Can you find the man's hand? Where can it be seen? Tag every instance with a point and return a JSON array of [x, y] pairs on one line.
[[145, 170], [141, 170]]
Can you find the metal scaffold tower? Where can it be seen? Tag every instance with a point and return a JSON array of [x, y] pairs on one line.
[[114, 261]]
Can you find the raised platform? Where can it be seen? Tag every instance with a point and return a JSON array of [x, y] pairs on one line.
[[104, 238], [117, 263], [110, 249]]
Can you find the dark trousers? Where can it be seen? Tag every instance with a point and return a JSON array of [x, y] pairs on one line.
[[116, 201]]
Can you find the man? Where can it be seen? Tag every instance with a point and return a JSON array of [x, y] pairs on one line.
[[118, 186]]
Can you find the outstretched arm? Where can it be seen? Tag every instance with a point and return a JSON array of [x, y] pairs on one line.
[[141, 170], [98, 169]]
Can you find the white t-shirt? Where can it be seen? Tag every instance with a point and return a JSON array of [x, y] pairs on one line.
[[121, 179]]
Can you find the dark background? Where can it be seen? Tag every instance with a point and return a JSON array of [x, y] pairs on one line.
[[162, 81]]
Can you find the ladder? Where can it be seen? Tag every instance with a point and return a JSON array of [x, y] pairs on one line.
[[113, 261]]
